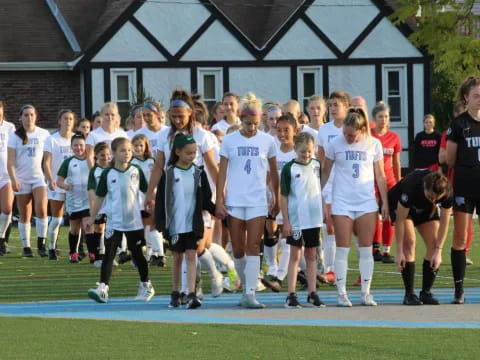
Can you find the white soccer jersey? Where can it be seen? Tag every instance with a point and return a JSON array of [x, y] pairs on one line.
[[93, 180], [60, 149], [282, 159], [152, 136], [100, 135], [120, 188], [224, 125], [146, 166], [130, 133], [28, 158], [354, 178], [185, 200], [301, 183], [6, 130], [247, 168], [75, 172], [306, 128]]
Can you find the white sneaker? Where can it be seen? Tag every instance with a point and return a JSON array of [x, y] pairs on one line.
[[217, 285], [344, 301], [100, 294], [367, 300], [260, 286], [145, 291]]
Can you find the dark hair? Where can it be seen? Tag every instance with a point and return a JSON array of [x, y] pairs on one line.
[[287, 117], [95, 114], [181, 94], [465, 88], [232, 94], [115, 144], [99, 147], [147, 154], [65, 111], [213, 111], [77, 136], [173, 155], [20, 132], [201, 110], [342, 96], [439, 185], [2, 104], [380, 107]]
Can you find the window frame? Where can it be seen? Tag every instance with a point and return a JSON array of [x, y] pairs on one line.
[[402, 70], [132, 84], [318, 83], [217, 72]]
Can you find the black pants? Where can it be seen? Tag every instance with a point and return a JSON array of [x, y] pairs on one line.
[[135, 241]]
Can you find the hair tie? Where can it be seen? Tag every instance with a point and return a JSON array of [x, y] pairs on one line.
[[251, 112], [179, 103], [150, 106]]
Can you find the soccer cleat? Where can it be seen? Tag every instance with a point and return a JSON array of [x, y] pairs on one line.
[[74, 258], [42, 252], [377, 255], [367, 300], [175, 300], [427, 298], [100, 294], [52, 254], [272, 282], [411, 299], [193, 301], [157, 261], [145, 291], [343, 301], [81, 254], [124, 257], [216, 286], [459, 299], [468, 261], [291, 302], [27, 252], [314, 299], [234, 279], [358, 282], [91, 257], [252, 303], [329, 278], [98, 264], [183, 299], [388, 259]]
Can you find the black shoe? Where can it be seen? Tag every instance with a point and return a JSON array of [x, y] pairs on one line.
[[183, 299], [291, 302], [27, 252], [272, 282], [42, 251], [193, 301], [427, 298], [377, 255], [302, 278], [459, 299], [174, 299], [157, 261], [3, 249], [411, 299], [123, 257], [314, 300], [52, 254], [388, 259]]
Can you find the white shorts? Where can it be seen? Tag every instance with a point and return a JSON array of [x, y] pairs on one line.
[[26, 188], [3, 183], [55, 195], [247, 213], [354, 215], [207, 219]]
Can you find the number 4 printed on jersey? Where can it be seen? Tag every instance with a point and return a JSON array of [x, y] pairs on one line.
[[248, 166]]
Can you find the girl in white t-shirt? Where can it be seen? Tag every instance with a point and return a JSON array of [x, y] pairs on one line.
[[84, 126], [24, 164], [273, 113], [136, 122], [152, 113], [245, 158], [57, 149], [358, 160], [231, 102]]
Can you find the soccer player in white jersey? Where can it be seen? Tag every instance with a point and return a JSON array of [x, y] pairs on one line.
[[338, 104], [73, 178], [57, 148], [120, 185], [358, 160], [245, 157], [137, 121], [302, 212], [272, 114], [152, 112], [231, 102], [24, 165], [6, 193]]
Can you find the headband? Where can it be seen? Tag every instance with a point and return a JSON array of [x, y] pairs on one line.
[[274, 108], [27, 106], [251, 112], [182, 140], [150, 106], [179, 103], [136, 109]]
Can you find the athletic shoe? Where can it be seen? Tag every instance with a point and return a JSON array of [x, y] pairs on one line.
[[260, 286], [157, 261], [91, 257], [123, 257], [252, 303], [183, 299], [234, 279], [343, 301], [198, 287], [367, 300], [469, 261], [98, 264], [377, 255], [42, 251], [411, 299], [329, 278], [358, 282], [3, 249], [145, 291], [291, 302], [388, 259], [100, 294], [193, 301], [216, 286], [74, 258], [27, 252], [459, 299], [81, 253], [175, 299], [314, 299], [243, 300], [272, 282], [52, 254], [427, 298]]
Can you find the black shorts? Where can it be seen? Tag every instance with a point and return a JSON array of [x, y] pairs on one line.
[[77, 215], [135, 238], [182, 242], [309, 238], [100, 219], [417, 218], [466, 205], [145, 215]]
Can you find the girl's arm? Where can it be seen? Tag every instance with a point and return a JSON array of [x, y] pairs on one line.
[[47, 169], [436, 259], [451, 153], [97, 204], [382, 186], [211, 165], [62, 184], [397, 169], [155, 176], [91, 197], [275, 181], [326, 169], [90, 155], [402, 214], [320, 154], [286, 227], [220, 209], [11, 155]]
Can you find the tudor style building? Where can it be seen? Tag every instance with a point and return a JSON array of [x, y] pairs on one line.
[[279, 49]]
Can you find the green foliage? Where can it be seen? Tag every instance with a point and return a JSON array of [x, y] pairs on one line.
[[449, 32]]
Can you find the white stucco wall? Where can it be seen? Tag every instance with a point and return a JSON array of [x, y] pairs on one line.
[[98, 95], [160, 83]]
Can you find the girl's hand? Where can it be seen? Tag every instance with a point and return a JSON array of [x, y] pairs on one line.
[[400, 260], [328, 220], [67, 187], [275, 209], [52, 185], [221, 211], [436, 259], [90, 221], [149, 204], [16, 187], [385, 212], [286, 229]]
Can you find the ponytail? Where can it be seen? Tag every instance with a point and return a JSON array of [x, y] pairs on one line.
[[21, 132]]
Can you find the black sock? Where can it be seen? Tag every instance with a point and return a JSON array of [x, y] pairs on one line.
[[459, 263], [428, 277], [90, 240], [72, 242], [96, 243], [7, 234], [408, 276], [40, 243], [376, 246]]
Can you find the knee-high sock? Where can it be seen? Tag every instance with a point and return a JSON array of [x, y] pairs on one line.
[[24, 230], [270, 253], [206, 260], [53, 229], [184, 276], [408, 276], [428, 277], [73, 240], [251, 273], [341, 266], [221, 257], [387, 235], [5, 220], [240, 264], [377, 237], [366, 268], [123, 245], [284, 260], [41, 226], [459, 263], [91, 240], [101, 243], [156, 239], [302, 264], [146, 234], [329, 248]]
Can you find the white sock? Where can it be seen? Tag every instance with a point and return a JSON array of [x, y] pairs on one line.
[[146, 234], [53, 229], [366, 268], [270, 253], [184, 276], [41, 225], [101, 244], [240, 264], [341, 266], [320, 259], [252, 267], [24, 230], [284, 259], [329, 248], [206, 260], [386, 249], [303, 265], [123, 245], [4, 222], [221, 257], [156, 239]]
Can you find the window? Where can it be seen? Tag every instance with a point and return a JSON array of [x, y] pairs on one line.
[[210, 85], [395, 92], [309, 83], [123, 89]]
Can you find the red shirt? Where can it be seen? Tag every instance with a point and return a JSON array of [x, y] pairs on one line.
[[391, 145], [443, 145]]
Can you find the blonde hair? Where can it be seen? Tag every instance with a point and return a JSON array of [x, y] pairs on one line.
[[114, 106], [296, 105], [251, 105], [357, 119]]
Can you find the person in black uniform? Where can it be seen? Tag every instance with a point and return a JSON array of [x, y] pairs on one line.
[[426, 145], [463, 154], [413, 204]]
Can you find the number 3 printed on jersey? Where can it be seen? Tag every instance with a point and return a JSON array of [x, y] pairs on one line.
[[356, 170], [31, 152], [248, 166]]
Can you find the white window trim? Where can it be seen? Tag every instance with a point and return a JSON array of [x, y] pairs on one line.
[[132, 82], [218, 73], [317, 70], [403, 91]]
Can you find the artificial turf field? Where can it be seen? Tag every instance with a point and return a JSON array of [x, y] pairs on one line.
[[26, 280]]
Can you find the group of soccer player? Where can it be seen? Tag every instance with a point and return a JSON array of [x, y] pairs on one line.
[[253, 180]]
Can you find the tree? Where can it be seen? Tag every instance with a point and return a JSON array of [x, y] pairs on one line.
[[449, 31]]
